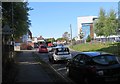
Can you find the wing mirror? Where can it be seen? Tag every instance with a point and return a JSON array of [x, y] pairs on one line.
[[56, 53]]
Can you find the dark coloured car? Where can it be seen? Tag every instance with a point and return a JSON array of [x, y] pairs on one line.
[[90, 67]]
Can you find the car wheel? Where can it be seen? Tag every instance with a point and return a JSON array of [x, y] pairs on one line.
[[67, 68], [49, 60], [53, 61], [87, 80], [68, 72]]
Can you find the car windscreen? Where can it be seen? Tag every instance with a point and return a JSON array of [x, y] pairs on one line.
[[109, 59]]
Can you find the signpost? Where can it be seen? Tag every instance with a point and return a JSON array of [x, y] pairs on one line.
[[7, 30]]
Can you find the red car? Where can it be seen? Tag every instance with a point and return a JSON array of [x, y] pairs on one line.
[[43, 49]]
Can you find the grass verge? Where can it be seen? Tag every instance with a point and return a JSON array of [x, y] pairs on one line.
[[109, 47]]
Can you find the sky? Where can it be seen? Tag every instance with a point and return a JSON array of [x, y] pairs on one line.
[[52, 19]]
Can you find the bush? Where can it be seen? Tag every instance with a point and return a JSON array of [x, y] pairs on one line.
[[88, 38]]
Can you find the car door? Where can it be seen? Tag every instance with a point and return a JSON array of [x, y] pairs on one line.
[[75, 64], [80, 65]]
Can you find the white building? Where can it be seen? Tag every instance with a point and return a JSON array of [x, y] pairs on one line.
[[84, 24], [34, 40]]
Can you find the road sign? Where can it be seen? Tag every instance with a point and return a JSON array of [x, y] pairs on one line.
[[7, 30]]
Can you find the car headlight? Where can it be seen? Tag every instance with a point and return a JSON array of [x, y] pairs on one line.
[[101, 73]]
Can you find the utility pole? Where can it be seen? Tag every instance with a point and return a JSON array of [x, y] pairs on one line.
[[71, 33], [12, 19], [12, 27], [1, 41]]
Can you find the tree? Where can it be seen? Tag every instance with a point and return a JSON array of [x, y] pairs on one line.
[[60, 39], [81, 35], [99, 25], [106, 24], [66, 36], [119, 14], [15, 14], [111, 24], [50, 40], [88, 38]]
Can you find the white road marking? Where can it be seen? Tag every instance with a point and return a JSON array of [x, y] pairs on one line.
[[61, 69], [29, 62]]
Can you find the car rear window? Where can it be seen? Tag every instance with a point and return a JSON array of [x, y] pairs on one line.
[[62, 51], [109, 59], [43, 47]]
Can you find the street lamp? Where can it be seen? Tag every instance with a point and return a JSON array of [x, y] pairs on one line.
[[71, 33]]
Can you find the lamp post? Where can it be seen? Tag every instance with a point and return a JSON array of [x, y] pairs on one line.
[[12, 35], [71, 33]]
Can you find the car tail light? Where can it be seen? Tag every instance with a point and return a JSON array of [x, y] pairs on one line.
[[100, 72]]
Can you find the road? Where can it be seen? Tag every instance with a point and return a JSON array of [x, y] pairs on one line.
[[59, 67], [35, 68]]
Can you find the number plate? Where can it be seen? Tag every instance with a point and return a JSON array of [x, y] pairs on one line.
[[111, 79]]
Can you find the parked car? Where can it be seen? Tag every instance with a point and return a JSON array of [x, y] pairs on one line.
[[36, 45], [29, 47], [49, 48], [94, 66], [60, 53], [60, 45], [118, 40], [43, 49]]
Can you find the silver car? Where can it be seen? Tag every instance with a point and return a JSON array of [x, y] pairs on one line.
[[60, 53]]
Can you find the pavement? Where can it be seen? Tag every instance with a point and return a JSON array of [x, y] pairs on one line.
[[32, 70]]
